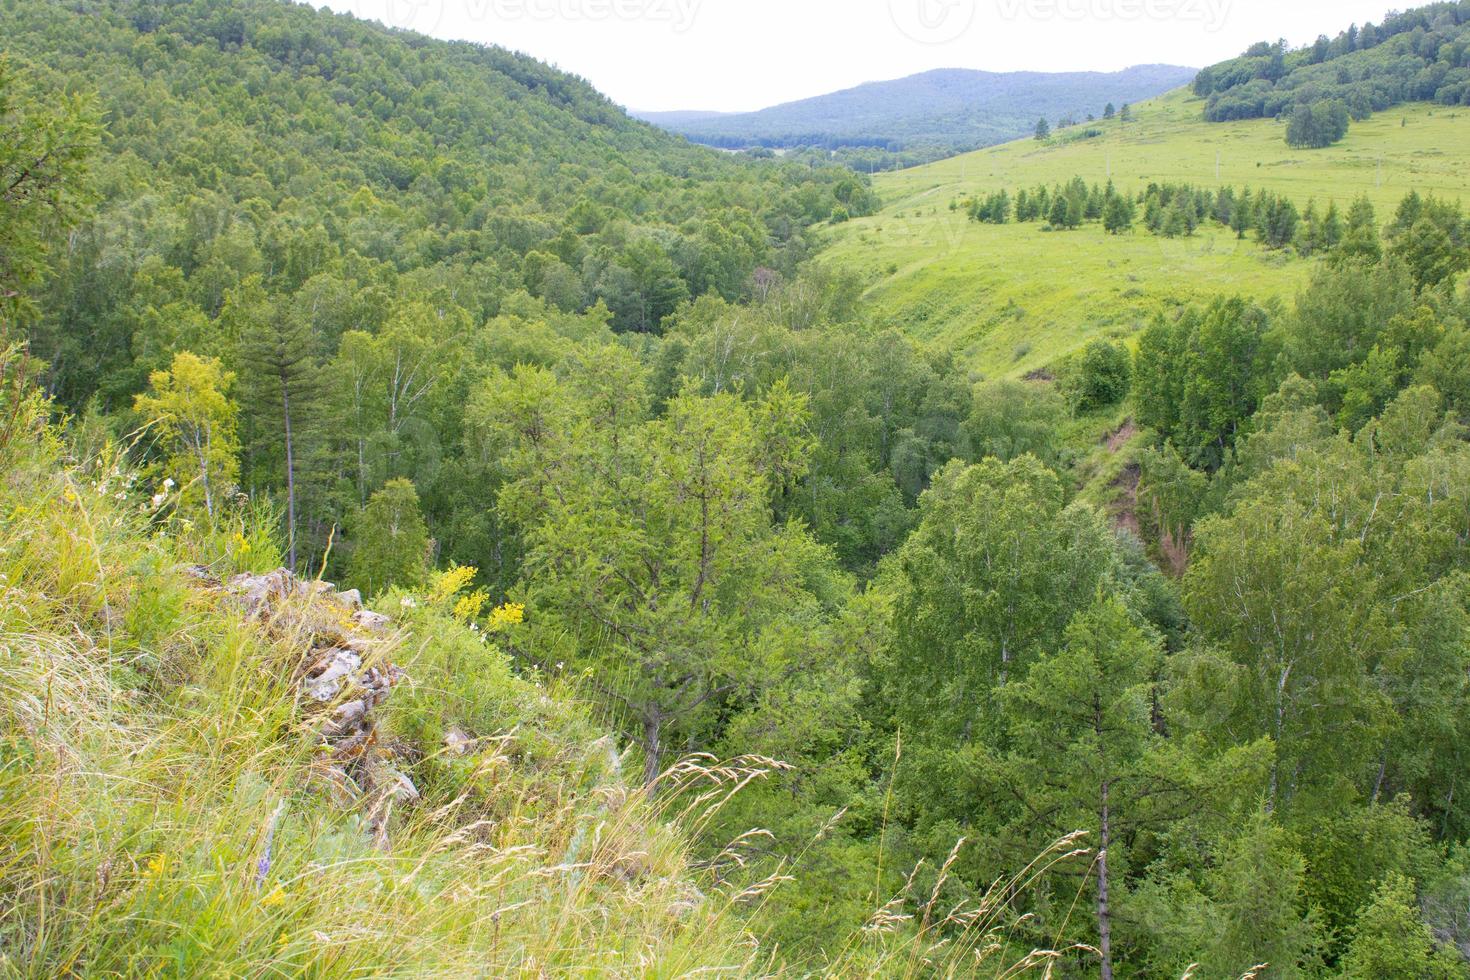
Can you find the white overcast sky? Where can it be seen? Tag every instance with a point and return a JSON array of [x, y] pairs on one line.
[[737, 55]]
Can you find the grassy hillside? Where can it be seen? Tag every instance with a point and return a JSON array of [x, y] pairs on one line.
[[1009, 299]]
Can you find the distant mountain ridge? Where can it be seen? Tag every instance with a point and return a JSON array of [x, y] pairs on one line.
[[953, 108], [678, 117]]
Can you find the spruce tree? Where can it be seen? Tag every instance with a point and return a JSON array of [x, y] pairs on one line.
[[1332, 229], [1057, 216], [1242, 215], [1176, 222], [1117, 215], [1308, 238], [284, 385], [1094, 207], [1390, 939], [1360, 242]]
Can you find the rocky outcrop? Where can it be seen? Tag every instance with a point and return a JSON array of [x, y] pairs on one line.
[[344, 674]]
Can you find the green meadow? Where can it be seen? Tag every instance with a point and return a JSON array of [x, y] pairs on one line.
[[1011, 299]]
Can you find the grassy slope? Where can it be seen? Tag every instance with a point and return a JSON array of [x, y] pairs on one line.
[[1010, 299], [168, 806]]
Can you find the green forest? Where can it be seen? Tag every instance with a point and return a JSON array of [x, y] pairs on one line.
[[449, 528], [1418, 54]]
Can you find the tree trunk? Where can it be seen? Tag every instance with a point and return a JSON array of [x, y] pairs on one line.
[[290, 476], [1275, 783], [1104, 913], [652, 748], [203, 458]]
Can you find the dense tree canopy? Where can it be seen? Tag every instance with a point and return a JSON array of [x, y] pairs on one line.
[[1412, 55]]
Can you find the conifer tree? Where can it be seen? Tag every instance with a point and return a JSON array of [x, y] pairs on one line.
[[1332, 228], [1390, 939], [1023, 206], [1117, 215], [1176, 220], [1308, 239], [1241, 215], [1361, 240], [280, 373], [1057, 216], [1094, 207]]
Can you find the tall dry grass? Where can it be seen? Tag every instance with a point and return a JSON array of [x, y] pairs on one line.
[[164, 807]]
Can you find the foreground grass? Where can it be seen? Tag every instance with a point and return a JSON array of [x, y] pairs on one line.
[[168, 805], [1011, 299]]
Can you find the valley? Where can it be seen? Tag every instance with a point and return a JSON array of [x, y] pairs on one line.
[[450, 527]]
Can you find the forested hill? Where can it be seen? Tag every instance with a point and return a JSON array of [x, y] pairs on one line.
[[952, 109], [1420, 54], [265, 145]]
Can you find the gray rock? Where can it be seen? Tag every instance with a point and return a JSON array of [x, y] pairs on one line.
[[340, 665], [457, 742], [371, 621]]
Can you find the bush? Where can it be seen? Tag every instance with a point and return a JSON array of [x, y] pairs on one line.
[[1317, 124], [1101, 377]]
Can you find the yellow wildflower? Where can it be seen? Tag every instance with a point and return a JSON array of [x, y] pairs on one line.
[[273, 899], [451, 582], [507, 615], [157, 864], [468, 607]]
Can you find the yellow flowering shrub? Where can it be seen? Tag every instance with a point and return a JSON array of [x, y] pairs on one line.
[[508, 614], [467, 607], [450, 583]]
